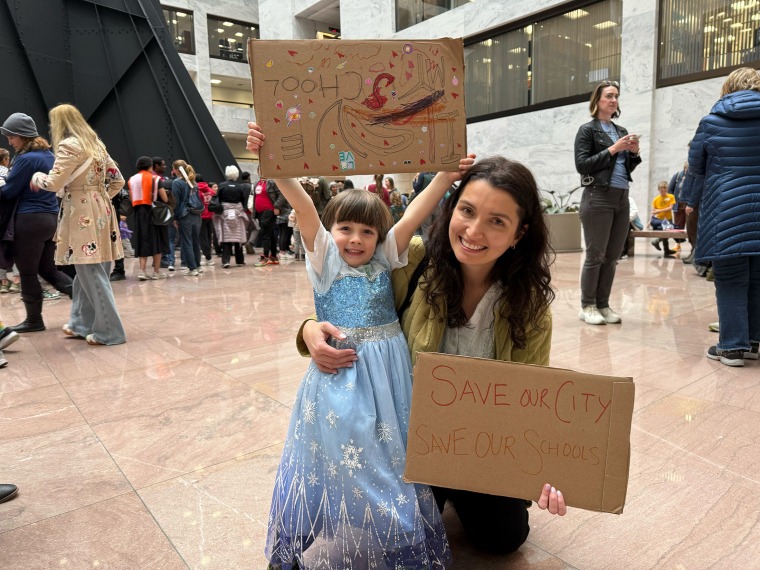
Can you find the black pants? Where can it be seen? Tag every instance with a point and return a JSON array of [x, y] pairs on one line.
[[34, 251], [268, 242], [286, 232], [227, 248], [493, 524], [692, 221], [118, 267], [207, 237]]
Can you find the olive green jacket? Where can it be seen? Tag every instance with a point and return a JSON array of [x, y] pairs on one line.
[[424, 331]]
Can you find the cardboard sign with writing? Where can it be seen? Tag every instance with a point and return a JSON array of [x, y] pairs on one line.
[[506, 429], [337, 108]]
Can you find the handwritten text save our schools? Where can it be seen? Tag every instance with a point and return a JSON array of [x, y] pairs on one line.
[[563, 404]]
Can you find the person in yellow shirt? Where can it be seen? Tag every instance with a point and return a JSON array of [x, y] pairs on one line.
[[662, 216]]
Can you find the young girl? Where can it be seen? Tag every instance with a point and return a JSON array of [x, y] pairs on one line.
[[339, 499]]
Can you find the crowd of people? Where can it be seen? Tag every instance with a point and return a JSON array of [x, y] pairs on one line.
[[478, 285]]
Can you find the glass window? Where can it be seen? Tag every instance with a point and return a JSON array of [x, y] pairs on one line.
[[699, 37], [228, 39], [411, 12], [545, 60], [180, 26]]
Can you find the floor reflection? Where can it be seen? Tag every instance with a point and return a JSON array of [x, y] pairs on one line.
[[161, 453]]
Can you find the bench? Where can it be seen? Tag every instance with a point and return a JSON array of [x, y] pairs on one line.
[[662, 234]]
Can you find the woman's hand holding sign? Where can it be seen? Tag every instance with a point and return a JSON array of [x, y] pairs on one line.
[[551, 499]]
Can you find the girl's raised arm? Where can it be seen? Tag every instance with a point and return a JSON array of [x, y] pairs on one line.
[[299, 200], [426, 201]]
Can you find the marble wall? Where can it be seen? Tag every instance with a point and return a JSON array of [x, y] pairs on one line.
[[666, 118]]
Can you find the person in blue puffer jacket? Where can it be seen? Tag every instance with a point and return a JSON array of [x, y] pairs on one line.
[[724, 161]]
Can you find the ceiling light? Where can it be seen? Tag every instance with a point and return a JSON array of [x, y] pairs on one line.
[[228, 24], [605, 25], [516, 50], [174, 21], [181, 14], [737, 25], [486, 60], [216, 81], [709, 29], [756, 17], [488, 42], [239, 34], [220, 30], [575, 14]]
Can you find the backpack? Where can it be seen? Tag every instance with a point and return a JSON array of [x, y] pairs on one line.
[[195, 202]]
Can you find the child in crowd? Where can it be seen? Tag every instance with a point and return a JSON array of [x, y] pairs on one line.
[[126, 237], [662, 216], [344, 453]]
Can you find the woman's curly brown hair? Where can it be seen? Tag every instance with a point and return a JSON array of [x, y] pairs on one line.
[[523, 271]]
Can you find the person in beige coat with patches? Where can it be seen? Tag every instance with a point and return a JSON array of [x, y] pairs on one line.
[[88, 227]]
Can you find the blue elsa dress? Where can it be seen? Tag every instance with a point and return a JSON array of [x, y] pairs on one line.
[[339, 499]]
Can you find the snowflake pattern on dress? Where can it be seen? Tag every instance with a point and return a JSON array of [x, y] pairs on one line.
[[351, 456], [332, 419], [309, 412], [384, 432]]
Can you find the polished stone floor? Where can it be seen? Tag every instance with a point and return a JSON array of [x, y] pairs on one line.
[[161, 453]]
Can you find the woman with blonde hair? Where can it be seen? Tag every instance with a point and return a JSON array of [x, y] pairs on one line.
[[725, 173], [34, 223], [88, 227], [187, 216]]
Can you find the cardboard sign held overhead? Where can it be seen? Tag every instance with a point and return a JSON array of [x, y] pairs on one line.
[[338, 108], [506, 429]]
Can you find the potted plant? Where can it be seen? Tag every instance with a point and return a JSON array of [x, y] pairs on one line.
[[562, 219]]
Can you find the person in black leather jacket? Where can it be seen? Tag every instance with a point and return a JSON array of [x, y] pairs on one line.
[[605, 156]]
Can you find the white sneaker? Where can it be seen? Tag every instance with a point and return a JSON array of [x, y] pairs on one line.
[[170, 268], [143, 277], [194, 273], [158, 275], [592, 316], [610, 316], [185, 271], [207, 262]]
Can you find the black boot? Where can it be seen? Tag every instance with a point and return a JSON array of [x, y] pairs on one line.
[[33, 321]]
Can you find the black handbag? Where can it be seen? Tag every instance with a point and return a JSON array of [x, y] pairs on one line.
[[215, 205], [161, 214]]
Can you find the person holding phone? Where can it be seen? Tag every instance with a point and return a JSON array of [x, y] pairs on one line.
[[605, 156]]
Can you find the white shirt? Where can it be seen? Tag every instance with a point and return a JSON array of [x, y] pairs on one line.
[[476, 338]]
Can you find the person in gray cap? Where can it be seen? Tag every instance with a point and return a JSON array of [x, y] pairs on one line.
[[35, 220], [21, 125]]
